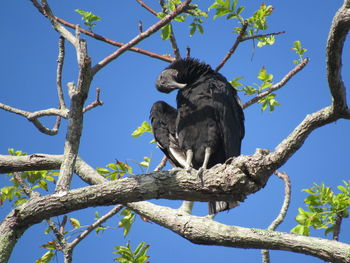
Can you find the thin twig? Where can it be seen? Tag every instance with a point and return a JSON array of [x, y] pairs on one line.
[[234, 47], [95, 103], [278, 85], [162, 163], [116, 43], [140, 26], [188, 52], [98, 222], [172, 38], [18, 178], [59, 234], [262, 35], [282, 214], [147, 7], [181, 8]]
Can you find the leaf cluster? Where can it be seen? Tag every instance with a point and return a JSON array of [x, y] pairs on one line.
[[299, 50], [323, 208], [194, 12], [266, 79], [128, 256], [89, 18], [31, 179], [116, 170], [256, 22]]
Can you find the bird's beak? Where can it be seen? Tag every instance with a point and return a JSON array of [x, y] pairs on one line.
[[166, 81]]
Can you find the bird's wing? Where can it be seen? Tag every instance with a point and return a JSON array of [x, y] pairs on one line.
[[229, 115], [163, 121]]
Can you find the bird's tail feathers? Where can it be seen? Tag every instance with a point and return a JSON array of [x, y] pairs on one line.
[[218, 206]]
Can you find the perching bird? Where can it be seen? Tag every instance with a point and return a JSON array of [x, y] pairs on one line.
[[208, 125]]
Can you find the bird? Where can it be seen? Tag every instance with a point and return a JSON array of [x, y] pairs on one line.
[[206, 128]]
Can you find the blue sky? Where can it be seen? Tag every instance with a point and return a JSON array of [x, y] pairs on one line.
[[28, 70]]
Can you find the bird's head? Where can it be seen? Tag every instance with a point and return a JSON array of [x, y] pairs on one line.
[[167, 81]]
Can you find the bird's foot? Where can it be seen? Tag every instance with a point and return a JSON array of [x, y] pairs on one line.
[[200, 174]]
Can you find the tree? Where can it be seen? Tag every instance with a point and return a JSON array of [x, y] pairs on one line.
[[255, 170]]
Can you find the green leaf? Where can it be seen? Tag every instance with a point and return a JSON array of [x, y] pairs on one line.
[[166, 32], [46, 258], [145, 127], [74, 222]]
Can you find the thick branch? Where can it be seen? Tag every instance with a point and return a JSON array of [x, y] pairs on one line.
[[75, 120], [140, 37], [201, 230], [336, 38]]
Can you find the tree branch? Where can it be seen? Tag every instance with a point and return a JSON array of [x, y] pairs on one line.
[[262, 35], [282, 214], [95, 103], [60, 60], [234, 47], [116, 43], [201, 230], [75, 119], [45, 10], [278, 85], [335, 43], [93, 226], [143, 35]]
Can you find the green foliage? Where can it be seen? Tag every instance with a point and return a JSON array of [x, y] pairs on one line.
[[145, 127], [194, 12], [256, 23], [266, 79], [32, 179], [129, 256], [47, 257], [115, 171], [74, 222], [89, 18], [323, 208], [299, 50], [127, 221]]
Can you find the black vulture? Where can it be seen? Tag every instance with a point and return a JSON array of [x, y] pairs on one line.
[[208, 125]]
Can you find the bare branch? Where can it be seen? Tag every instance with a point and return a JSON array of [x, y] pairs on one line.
[[140, 37], [234, 47], [282, 214], [33, 117], [117, 44], [60, 60], [95, 103], [46, 11], [161, 165], [202, 230], [98, 222], [75, 119], [147, 7], [278, 85]]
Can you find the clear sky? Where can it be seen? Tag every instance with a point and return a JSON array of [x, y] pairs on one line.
[[29, 52]]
